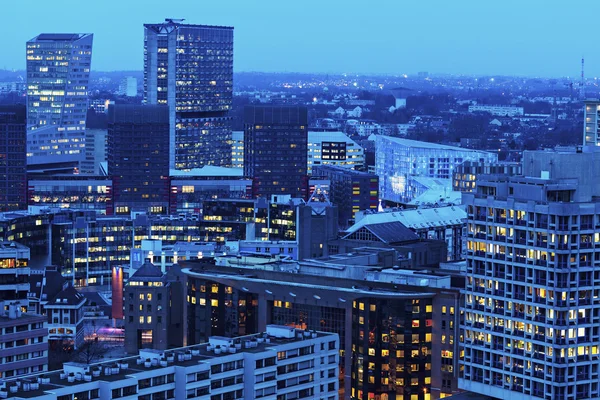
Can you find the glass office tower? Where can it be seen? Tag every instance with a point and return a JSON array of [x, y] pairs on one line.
[[58, 72], [13, 161], [275, 149], [190, 69]]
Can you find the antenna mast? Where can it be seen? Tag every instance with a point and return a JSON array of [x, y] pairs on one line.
[[582, 88]]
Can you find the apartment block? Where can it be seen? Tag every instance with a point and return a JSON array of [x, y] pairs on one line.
[[282, 363], [531, 313]]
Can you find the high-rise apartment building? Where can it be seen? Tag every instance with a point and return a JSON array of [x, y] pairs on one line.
[[275, 149], [58, 71], [138, 157], [531, 313], [190, 69], [13, 164]]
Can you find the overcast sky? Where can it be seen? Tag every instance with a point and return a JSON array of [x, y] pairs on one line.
[[493, 37]]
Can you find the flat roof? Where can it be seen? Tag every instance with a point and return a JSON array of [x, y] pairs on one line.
[[428, 145], [208, 170], [61, 37], [203, 354]]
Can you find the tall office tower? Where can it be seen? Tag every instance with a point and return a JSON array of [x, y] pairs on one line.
[[275, 149], [138, 157], [13, 163], [190, 69], [58, 72], [531, 313]]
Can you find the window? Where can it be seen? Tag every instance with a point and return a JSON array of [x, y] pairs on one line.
[[149, 296], [141, 319], [142, 296], [149, 319]]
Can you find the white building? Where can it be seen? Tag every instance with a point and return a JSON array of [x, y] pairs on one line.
[[49, 145], [128, 87], [283, 363], [237, 149], [591, 133], [397, 160], [334, 148], [504, 111]]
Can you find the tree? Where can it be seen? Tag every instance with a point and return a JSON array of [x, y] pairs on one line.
[[91, 351]]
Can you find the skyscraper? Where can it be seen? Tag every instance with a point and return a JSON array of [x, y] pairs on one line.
[[138, 157], [190, 69], [275, 149], [531, 309], [13, 160], [58, 72]]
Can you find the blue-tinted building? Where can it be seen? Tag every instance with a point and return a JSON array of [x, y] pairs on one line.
[[58, 72], [190, 69], [138, 157], [396, 160], [276, 149], [13, 161]]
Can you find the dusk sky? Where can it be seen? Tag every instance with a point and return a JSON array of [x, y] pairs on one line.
[[527, 37]]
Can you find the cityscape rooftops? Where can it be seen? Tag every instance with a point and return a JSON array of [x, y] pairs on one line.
[[427, 145], [132, 369], [207, 170], [414, 219]]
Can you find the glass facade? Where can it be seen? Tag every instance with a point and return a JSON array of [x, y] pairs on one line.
[[58, 71], [190, 69], [13, 161], [396, 160], [276, 143], [138, 158], [391, 343]]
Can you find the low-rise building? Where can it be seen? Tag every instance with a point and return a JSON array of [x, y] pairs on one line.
[[505, 111], [334, 148], [282, 362], [23, 342]]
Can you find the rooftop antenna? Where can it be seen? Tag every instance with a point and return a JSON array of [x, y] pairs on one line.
[[582, 88]]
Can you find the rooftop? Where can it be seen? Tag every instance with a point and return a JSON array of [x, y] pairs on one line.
[[60, 37], [414, 219], [148, 359], [427, 145], [208, 170]]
